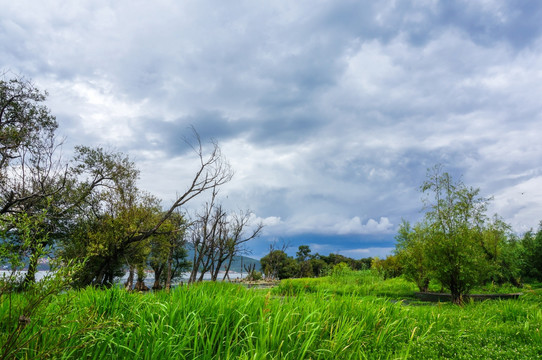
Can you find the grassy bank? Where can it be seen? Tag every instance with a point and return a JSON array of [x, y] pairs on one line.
[[332, 318]]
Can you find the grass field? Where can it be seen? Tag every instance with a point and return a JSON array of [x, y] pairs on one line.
[[353, 316]]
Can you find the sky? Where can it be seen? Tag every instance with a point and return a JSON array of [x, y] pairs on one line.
[[329, 112]]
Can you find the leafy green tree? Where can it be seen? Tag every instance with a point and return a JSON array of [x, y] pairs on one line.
[[411, 252], [389, 267], [303, 253], [31, 172], [502, 252], [455, 221], [168, 256], [28, 165], [361, 264], [104, 227], [278, 265], [303, 257], [531, 268], [319, 266]]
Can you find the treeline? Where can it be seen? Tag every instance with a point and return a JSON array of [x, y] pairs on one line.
[[87, 212], [278, 265]]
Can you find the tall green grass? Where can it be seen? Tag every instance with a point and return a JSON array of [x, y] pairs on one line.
[[356, 283], [305, 319]]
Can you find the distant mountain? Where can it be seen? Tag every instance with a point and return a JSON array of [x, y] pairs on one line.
[[238, 265], [239, 262]]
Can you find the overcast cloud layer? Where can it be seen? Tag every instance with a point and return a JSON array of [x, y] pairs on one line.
[[330, 112]]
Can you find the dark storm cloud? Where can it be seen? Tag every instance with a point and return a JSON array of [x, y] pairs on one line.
[[174, 137]]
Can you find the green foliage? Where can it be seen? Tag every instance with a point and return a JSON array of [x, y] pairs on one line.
[[254, 276], [303, 253], [340, 270], [456, 244], [24, 124], [29, 310], [502, 252], [388, 268], [308, 320], [303, 257], [531, 243], [412, 253], [456, 216], [278, 265], [319, 267]]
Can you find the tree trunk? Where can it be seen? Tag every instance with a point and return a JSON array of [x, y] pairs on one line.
[[424, 286], [140, 286], [101, 274], [109, 279], [169, 263], [157, 274], [457, 297], [226, 275], [128, 285], [30, 277]]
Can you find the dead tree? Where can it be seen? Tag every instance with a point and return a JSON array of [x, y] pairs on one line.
[[250, 269], [217, 238]]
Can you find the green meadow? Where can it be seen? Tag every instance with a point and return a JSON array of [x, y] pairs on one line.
[[352, 316]]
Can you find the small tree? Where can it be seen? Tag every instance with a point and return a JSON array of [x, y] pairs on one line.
[[278, 265], [455, 222], [303, 257], [532, 254], [412, 254]]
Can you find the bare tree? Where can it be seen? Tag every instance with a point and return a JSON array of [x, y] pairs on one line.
[[217, 237], [238, 225], [213, 171]]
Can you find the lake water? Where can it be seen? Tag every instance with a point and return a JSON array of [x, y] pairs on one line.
[[149, 280]]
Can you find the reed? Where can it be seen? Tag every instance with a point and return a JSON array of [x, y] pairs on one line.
[[303, 319]]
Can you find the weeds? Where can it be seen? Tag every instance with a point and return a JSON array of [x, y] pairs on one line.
[[328, 318]]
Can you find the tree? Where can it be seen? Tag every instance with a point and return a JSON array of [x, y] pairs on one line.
[[28, 166], [168, 256], [390, 267], [502, 252], [31, 172], [303, 258], [117, 219], [93, 205], [411, 252], [531, 243], [33, 177], [278, 265], [217, 237], [455, 221], [102, 226], [319, 266]]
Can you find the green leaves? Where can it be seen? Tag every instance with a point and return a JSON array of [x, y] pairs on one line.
[[456, 244]]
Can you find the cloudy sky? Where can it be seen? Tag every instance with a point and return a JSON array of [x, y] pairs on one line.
[[330, 112]]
